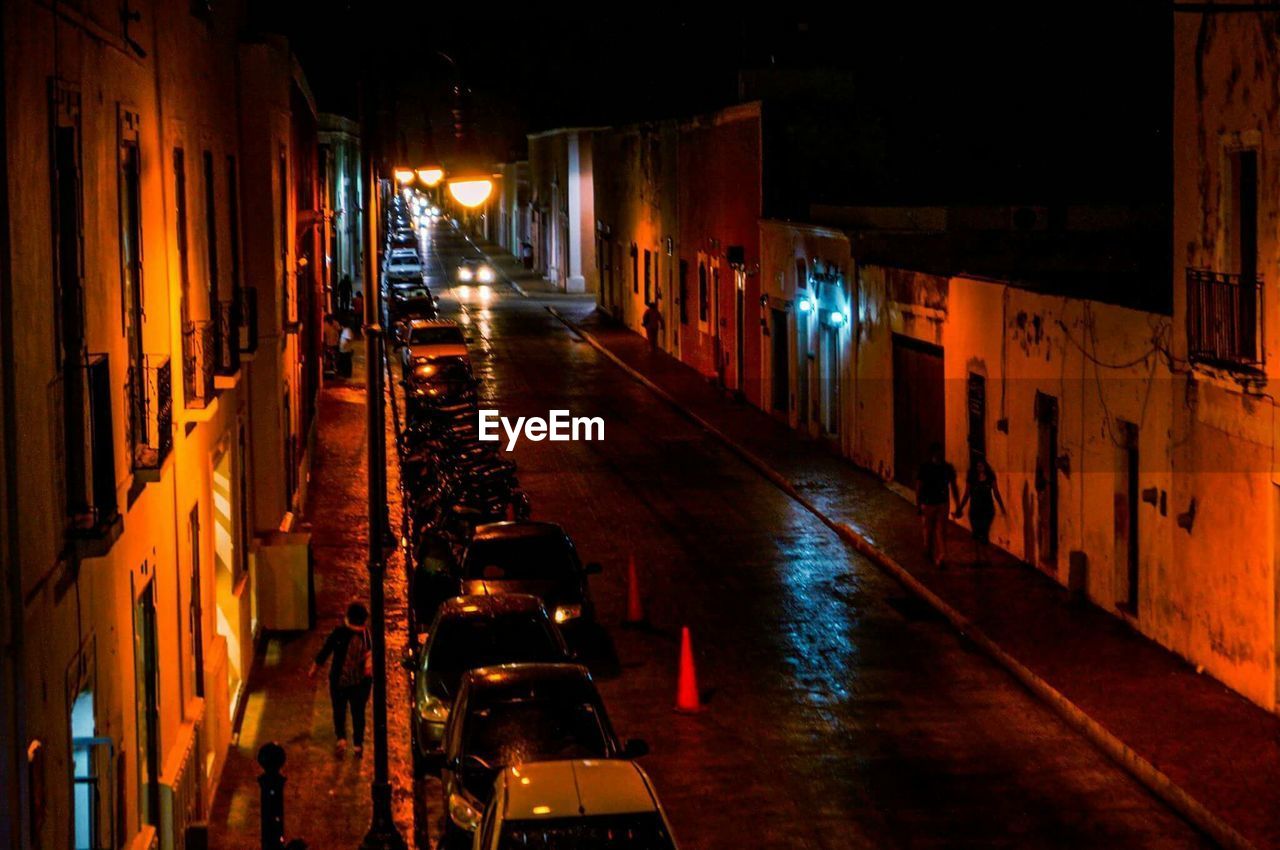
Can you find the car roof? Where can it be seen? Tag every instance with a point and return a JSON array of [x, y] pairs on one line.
[[475, 607], [512, 530], [576, 788], [484, 680]]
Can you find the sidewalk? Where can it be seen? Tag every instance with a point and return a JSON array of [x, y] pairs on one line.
[[326, 797], [1208, 752]]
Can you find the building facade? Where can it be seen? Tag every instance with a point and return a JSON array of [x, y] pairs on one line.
[[678, 206], [342, 180], [148, 374], [1130, 421], [1216, 604], [562, 208]]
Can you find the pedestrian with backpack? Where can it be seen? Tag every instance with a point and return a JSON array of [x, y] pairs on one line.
[[350, 674]]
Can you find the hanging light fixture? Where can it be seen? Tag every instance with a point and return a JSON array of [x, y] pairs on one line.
[[470, 181]]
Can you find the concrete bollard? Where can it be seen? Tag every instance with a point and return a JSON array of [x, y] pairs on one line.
[[271, 758]]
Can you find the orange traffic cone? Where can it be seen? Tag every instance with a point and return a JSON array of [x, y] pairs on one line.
[[635, 608], [687, 699]]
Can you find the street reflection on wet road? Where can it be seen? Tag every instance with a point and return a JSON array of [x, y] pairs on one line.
[[839, 711]]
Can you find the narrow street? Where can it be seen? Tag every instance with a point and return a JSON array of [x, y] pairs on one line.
[[817, 428], [839, 711]]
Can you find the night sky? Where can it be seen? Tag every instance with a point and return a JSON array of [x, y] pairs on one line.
[[1038, 100]]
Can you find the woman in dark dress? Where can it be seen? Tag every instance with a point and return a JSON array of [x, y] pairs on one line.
[[982, 494]]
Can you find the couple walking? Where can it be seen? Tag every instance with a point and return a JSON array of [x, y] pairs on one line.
[[935, 489]]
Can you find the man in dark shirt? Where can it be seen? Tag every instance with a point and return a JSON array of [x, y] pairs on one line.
[[935, 488], [350, 674]]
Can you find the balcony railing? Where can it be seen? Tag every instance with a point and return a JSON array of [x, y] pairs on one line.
[[89, 444], [150, 395], [248, 329], [1224, 319], [198, 359], [226, 338]]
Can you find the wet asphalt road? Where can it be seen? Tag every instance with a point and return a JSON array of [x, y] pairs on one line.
[[840, 713]]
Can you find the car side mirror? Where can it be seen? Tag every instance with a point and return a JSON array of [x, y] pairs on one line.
[[634, 748], [594, 568]]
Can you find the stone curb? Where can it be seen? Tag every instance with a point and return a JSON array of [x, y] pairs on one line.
[[1113, 747]]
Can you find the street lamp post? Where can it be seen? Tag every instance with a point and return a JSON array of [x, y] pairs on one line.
[[382, 834]]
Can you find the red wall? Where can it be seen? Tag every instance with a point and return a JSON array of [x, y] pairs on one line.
[[719, 205]]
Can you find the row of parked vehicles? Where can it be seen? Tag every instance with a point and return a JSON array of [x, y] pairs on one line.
[[502, 710]]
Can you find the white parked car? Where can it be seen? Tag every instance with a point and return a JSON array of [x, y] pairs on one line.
[[590, 803], [403, 262]]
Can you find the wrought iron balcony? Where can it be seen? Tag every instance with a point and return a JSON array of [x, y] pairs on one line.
[[248, 328], [150, 396], [89, 450], [226, 338], [198, 359], [1224, 319]]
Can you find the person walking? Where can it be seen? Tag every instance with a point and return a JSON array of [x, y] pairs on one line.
[[982, 495], [332, 336], [350, 674], [346, 351], [357, 309], [344, 293], [653, 323], [935, 488]]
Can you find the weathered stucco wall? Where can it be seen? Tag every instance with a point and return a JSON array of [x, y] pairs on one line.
[[1221, 607]]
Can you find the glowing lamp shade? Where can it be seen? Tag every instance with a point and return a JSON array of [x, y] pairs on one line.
[[430, 176], [471, 193], [404, 175]]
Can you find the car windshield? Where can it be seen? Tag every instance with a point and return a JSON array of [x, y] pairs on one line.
[[544, 728], [412, 292], [437, 335], [404, 261], [520, 559], [638, 831], [461, 644]]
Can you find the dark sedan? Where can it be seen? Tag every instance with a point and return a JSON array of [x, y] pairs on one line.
[[470, 632], [529, 557], [517, 713]]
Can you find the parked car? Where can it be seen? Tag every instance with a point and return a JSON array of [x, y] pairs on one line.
[[442, 381], [517, 713], [585, 804], [530, 557], [403, 263], [424, 340], [474, 270], [411, 302], [470, 632], [403, 237]]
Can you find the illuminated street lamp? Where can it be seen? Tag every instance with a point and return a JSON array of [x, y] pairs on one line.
[[471, 188], [404, 176], [430, 175]]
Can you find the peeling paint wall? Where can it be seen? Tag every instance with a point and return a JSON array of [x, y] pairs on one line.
[[1220, 605]]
